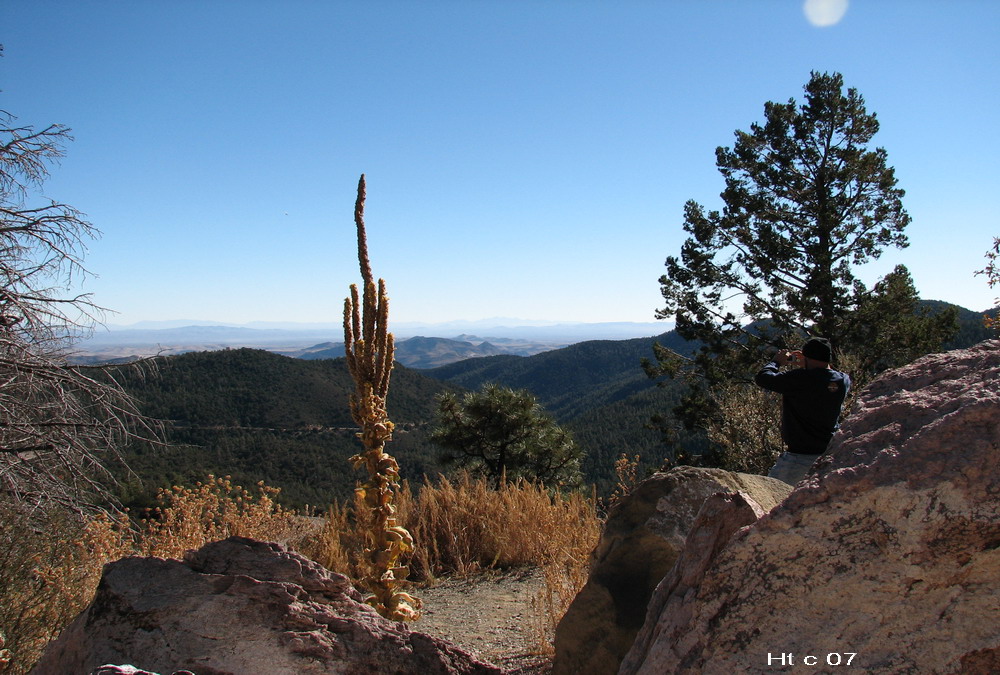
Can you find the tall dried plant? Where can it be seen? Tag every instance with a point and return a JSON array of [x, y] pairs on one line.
[[370, 351]]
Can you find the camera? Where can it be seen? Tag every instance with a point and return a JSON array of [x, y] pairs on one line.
[[792, 358]]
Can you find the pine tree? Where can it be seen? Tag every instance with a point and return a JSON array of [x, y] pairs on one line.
[[807, 200], [499, 432]]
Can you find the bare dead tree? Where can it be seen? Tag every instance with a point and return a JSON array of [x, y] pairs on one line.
[[60, 424]]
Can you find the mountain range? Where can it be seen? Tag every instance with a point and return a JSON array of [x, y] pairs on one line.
[[314, 341], [259, 415]]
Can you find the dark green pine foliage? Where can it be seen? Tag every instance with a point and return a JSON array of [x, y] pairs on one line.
[[806, 201], [598, 392], [258, 416], [499, 433]]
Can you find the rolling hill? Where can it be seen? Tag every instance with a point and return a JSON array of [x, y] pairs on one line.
[[257, 415], [415, 352], [568, 381]]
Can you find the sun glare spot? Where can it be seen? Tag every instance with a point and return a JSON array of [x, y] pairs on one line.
[[824, 12]]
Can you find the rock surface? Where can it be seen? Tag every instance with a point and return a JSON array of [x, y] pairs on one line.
[[240, 607], [887, 555], [110, 669], [642, 538]]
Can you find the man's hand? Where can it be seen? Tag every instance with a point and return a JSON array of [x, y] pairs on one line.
[[784, 358]]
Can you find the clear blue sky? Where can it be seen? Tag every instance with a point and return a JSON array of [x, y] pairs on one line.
[[524, 159]]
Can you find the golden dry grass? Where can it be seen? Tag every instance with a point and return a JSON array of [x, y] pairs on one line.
[[464, 526], [189, 518], [49, 568], [50, 564]]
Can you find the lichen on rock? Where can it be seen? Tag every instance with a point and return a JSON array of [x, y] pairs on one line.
[[889, 551], [242, 606]]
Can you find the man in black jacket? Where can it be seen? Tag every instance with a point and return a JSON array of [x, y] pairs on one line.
[[812, 396]]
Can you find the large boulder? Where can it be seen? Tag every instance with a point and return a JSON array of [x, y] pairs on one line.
[[885, 560], [641, 540], [111, 669], [239, 607]]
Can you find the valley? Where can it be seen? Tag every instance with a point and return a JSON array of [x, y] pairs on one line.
[[282, 417]]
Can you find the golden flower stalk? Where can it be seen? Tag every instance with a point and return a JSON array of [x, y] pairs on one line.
[[370, 350]]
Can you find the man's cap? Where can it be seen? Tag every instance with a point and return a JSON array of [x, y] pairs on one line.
[[818, 349]]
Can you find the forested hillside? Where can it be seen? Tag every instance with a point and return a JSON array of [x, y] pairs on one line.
[[260, 416], [569, 381], [970, 324], [597, 390]]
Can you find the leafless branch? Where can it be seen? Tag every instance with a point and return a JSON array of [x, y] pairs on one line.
[[61, 426]]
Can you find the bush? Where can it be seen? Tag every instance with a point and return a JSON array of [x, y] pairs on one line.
[[189, 518], [50, 563]]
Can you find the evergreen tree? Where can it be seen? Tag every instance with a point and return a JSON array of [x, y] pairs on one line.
[[499, 432], [806, 201]]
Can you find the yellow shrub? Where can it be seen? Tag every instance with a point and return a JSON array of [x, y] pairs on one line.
[[189, 518], [464, 526], [50, 564]]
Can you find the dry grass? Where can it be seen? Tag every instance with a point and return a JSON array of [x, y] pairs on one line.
[[49, 567], [189, 518], [627, 472], [50, 564], [464, 526]]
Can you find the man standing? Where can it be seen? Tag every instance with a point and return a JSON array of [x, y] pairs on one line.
[[812, 396]]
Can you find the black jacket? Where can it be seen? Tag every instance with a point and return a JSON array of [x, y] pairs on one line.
[[811, 402]]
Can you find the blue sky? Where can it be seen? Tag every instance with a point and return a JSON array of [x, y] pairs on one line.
[[524, 159]]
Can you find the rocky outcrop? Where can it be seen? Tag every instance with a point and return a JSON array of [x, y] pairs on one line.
[[110, 669], [642, 538], [885, 559], [239, 607]]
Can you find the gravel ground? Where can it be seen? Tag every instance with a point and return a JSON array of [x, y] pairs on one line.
[[492, 615]]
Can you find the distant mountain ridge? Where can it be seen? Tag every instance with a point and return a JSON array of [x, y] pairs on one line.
[[261, 416], [421, 352], [314, 341]]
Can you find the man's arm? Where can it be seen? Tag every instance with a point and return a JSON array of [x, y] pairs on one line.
[[770, 376]]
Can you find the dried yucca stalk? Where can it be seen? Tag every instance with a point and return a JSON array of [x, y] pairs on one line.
[[370, 352]]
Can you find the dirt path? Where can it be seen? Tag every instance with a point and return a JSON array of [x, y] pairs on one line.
[[495, 616]]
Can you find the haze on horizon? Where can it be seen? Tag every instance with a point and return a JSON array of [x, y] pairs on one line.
[[523, 159]]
